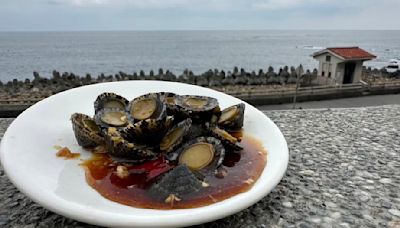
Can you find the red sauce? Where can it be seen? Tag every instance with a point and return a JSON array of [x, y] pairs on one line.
[[67, 154], [241, 170]]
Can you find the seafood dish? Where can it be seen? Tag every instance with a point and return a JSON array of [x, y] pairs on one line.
[[167, 151]]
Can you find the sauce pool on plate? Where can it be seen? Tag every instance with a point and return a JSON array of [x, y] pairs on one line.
[[129, 184]]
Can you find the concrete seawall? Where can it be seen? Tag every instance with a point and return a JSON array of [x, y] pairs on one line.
[[320, 93], [261, 97], [258, 88]]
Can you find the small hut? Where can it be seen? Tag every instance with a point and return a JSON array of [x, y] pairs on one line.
[[341, 65]]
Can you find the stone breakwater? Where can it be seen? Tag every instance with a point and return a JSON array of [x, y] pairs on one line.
[[237, 81], [41, 87]]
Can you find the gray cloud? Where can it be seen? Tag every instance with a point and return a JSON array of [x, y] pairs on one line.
[[198, 14]]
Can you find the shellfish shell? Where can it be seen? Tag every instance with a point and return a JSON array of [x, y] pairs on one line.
[[202, 162], [174, 137], [232, 117], [111, 117], [87, 133], [148, 106], [119, 146], [198, 108], [109, 101]]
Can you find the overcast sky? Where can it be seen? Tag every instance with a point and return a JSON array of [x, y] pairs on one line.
[[44, 15]]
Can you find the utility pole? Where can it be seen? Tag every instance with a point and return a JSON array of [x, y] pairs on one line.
[[299, 74]]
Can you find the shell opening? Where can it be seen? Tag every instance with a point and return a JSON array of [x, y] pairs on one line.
[[91, 125], [228, 114], [171, 138], [114, 118], [114, 104], [196, 102], [169, 100], [143, 109], [197, 156]]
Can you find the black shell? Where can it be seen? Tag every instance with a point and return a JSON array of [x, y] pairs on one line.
[[169, 99], [218, 156], [85, 136], [185, 125], [179, 181], [204, 113], [119, 146], [160, 112], [149, 131], [99, 121], [234, 123], [197, 130], [173, 109], [110, 100], [229, 141]]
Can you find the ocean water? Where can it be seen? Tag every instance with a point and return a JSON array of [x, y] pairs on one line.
[[21, 53]]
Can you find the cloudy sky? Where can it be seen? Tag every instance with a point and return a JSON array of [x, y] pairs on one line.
[[44, 15]]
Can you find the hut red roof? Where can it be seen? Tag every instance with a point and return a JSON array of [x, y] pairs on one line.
[[348, 53]]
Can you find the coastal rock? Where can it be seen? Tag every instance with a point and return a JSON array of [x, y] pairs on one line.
[[292, 77], [228, 80], [262, 77]]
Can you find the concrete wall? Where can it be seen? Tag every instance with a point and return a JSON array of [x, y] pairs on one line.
[[358, 72], [334, 66], [340, 72]]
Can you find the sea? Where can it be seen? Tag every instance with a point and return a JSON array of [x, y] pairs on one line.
[[109, 52]]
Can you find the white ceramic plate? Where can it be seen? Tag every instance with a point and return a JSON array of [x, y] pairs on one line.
[[28, 158]]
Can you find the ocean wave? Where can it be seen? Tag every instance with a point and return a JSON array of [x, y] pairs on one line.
[[310, 47]]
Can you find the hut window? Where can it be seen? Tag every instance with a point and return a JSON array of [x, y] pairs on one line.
[[328, 58], [329, 74], [323, 73]]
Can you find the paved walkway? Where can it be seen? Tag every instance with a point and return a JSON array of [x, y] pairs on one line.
[[340, 103], [343, 171]]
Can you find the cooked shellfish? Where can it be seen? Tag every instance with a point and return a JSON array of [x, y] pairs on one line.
[[170, 100], [229, 141], [119, 146], [197, 130], [201, 154], [109, 101], [199, 108], [175, 136], [232, 117], [149, 131], [111, 118], [87, 133], [148, 106]]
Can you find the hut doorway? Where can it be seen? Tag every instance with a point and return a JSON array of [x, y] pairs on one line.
[[348, 76]]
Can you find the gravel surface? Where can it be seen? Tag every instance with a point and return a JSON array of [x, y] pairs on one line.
[[344, 171]]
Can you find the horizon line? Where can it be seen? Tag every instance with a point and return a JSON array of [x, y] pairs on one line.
[[190, 30]]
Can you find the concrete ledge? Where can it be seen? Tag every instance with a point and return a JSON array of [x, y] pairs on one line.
[[12, 110], [259, 97], [317, 95]]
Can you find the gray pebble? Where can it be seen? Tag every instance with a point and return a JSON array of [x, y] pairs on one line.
[[385, 180], [386, 204], [287, 204], [394, 212]]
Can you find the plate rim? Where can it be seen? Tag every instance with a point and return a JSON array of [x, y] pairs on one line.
[[64, 210]]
